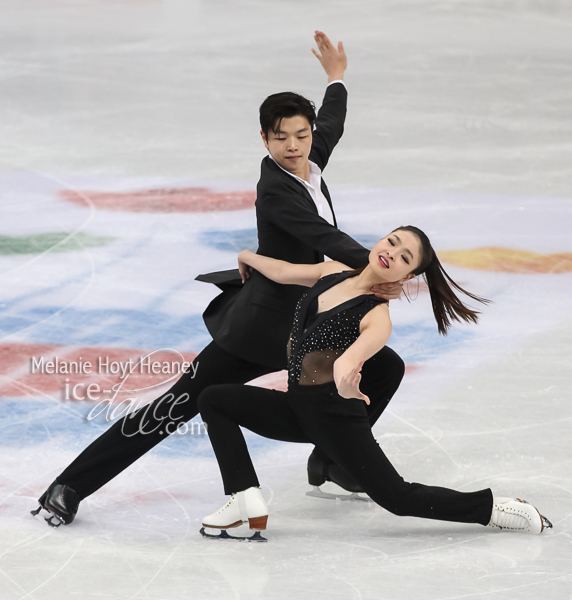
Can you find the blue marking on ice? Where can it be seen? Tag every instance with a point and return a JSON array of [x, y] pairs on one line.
[[107, 327], [230, 241], [30, 422], [25, 423], [417, 342]]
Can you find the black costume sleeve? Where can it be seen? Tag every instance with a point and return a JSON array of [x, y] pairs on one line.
[[294, 215], [329, 124]]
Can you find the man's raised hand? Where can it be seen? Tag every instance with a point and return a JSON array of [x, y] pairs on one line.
[[333, 59]]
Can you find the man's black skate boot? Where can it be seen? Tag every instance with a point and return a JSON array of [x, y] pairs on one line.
[[61, 501], [316, 470], [338, 476], [322, 470]]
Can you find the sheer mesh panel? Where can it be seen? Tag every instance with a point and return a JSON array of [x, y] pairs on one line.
[[313, 346], [318, 367]]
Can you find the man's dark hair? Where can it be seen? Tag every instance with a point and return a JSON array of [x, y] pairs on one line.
[[283, 106]]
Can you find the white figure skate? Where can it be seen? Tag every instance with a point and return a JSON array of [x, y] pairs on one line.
[[515, 514], [243, 507]]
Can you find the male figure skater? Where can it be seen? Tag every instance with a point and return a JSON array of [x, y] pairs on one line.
[[250, 321]]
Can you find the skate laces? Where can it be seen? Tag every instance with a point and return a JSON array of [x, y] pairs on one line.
[[507, 516], [227, 505], [509, 520]]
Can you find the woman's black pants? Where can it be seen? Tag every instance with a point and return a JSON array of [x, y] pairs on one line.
[[132, 436], [341, 429]]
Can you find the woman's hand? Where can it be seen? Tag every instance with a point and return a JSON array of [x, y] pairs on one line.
[[347, 380], [243, 267]]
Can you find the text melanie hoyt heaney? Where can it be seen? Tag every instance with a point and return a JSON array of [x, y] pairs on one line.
[[104, 366], [108, 367]]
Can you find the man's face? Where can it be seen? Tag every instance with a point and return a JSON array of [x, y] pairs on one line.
[[290, 145]]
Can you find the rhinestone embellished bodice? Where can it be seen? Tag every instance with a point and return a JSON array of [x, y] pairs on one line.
[[318, 339]]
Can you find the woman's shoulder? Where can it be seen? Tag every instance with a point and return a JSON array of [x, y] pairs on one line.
[[334, 269], [377, 317]]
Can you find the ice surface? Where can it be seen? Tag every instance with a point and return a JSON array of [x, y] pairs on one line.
[[459, 121]]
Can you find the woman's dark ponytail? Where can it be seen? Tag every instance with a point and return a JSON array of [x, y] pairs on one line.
[[446, 304]]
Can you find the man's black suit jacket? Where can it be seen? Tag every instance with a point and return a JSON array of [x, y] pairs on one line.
[[253, 321]]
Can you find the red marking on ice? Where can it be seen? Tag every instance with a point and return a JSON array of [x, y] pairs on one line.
[[156, 496], [12, 355], [17, 380], [191, 199], [15, 364]]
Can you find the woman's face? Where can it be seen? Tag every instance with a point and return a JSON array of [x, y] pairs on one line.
[[395, 256]]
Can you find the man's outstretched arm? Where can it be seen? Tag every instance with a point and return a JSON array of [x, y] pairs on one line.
[[293, 214], [329, 129], [332, 114]]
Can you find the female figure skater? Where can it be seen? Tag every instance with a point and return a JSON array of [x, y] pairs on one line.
[[338, 325]]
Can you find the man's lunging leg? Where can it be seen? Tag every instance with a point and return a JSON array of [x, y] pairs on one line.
[[134, 435]]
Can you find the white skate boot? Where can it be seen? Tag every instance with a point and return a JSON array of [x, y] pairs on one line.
[[517, 515], [248, 506]]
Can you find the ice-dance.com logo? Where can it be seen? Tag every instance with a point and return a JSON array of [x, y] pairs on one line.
[[164, 416]]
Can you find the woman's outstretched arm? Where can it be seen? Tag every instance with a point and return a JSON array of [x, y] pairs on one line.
[[284, 272], [375, 329]]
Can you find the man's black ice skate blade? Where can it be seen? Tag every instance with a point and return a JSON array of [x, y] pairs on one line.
[[52, 520], [223, 535], [316, 492], [60, 502]]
